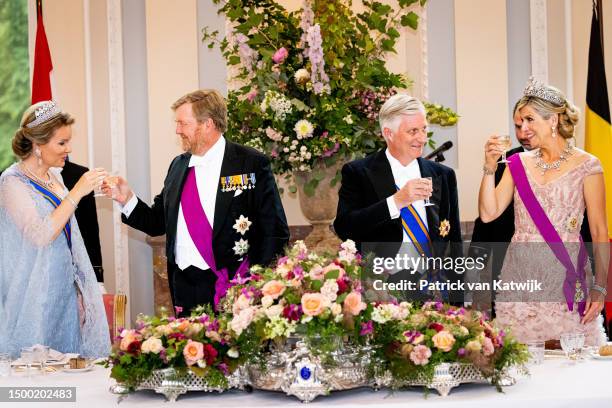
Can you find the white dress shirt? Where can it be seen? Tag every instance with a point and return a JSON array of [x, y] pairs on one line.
[[208, 173], [401, 175]]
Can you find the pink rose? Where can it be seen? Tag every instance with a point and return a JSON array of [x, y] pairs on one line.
[[280, 55], [128, 336], [487, 347], [273, 289], [333, 267], [193, 351], [316, 273], [420, 355], [313, 304], [353, 304], [443, 340]]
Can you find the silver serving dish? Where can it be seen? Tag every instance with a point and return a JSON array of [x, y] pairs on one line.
[[296, 371], [172, 383], [446, 377]]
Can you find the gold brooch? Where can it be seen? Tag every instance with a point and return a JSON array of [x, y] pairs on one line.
[[572, 224], [444, 228]]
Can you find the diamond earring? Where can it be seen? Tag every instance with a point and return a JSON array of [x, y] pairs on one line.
[[38, 155], [554, 131]]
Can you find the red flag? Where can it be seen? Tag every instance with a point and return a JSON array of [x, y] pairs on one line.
[[41, 81]]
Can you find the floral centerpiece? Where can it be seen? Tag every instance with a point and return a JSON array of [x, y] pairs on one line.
[[201, 344], [412, 340], [317, 297], [309, 84]]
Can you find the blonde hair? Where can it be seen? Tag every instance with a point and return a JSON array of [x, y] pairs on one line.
[[25, 137], [568, 113], [397, 106], [206, 103]]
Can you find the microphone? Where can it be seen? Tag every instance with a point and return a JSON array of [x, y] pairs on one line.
[[437, 153]]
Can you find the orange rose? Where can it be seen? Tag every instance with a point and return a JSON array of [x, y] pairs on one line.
[[443, 340], [313, 304], [193, 351], [273, 289], [353, 304]]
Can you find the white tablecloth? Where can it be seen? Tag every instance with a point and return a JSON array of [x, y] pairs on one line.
[[555, 383]]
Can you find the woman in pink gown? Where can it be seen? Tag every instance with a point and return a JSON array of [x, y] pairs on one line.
[[564, 181]]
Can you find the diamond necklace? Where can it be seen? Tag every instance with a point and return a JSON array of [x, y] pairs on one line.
[[568, 151], [49, 184]]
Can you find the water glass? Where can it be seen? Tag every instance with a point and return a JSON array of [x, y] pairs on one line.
[[572, 344], [5, 365], [41, 355], [536, 350], [27, 358]]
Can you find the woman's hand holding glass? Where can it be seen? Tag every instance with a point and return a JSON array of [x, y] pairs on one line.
[[496, 147], [89, 182]]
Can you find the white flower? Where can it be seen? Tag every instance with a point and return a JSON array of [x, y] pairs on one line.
[[233, 352], [330, 290], [241, 247], [336, 309], [242, 320], [303, 129], [242, 225], [348, 119], [274, 311], [267, 301], [240, 304], [201, 363], [301, 76], [152, 345]]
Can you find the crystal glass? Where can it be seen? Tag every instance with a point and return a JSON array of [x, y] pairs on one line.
[[5, 365], [41, 355], [27, 358], [112, 181], [536, 350], [430, 181], [98, 189], [572, 344], [506, 144]]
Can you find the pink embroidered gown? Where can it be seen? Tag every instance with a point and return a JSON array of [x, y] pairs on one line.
[[544, 315]]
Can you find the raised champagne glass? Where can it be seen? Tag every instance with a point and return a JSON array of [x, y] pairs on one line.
[[505, 143]]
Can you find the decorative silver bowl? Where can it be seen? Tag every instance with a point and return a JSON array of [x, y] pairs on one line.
[[173, 383], [296, 371]]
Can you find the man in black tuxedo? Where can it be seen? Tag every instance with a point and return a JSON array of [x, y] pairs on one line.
[[87, 217], [237, 193], [375, 189]]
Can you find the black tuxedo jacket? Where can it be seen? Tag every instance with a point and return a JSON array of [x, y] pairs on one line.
[[268, 233], [87, 217], [363, 214]]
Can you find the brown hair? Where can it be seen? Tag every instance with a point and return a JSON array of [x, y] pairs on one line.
[[25, 137], [206, 103]]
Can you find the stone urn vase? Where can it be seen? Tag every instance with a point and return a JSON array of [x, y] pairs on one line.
[[320, 208]]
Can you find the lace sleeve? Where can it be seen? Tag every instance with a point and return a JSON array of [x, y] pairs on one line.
[[20, 205], [593, 166]]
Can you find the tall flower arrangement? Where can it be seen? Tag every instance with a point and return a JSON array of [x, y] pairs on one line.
[[310, 82]]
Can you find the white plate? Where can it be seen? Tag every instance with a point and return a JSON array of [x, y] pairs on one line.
[[596, 356], [67, 369]]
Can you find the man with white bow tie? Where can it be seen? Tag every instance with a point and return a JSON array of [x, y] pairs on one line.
[[219, 208]]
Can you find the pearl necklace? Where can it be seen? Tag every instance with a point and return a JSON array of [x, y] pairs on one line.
[[48, 184], [568, 151]]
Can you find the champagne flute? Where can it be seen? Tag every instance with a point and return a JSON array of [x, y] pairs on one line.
[[506, 144], [41, 355], [27, 357], [427, 202]]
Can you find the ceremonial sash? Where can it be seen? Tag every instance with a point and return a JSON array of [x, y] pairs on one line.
[[201, 233], [55, 202], [416, 230], [574, 286]]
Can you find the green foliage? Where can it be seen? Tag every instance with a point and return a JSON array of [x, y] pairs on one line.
[[14, 73]]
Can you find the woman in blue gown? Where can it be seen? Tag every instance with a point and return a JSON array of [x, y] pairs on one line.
[[48, 289]]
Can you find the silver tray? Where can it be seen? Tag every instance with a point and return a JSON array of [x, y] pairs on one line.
[[172, 383]]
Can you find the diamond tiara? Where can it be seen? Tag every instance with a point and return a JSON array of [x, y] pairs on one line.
[[47, 111], [539, 90]]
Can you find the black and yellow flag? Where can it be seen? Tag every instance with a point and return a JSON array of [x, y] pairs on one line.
[[598, 130]]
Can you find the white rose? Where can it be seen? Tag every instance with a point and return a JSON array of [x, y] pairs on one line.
[[274, 311], [267, 301], [233, 353], [152, 345], [336, 309]]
